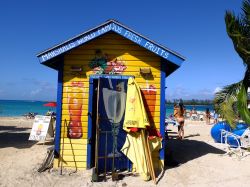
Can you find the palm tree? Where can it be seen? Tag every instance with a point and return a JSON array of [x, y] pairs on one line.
[[231, 101]]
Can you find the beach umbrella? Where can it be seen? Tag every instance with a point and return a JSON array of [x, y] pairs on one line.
[[50, 104]]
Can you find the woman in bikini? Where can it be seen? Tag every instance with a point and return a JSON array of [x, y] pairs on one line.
[[180, 119]]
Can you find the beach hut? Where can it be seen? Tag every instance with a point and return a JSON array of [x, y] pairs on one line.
[[106, 55]]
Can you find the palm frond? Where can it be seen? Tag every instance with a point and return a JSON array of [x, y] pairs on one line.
[[225, 102], [238, 30], [228, 112], [246, 12], [242, 105], [229, 91]]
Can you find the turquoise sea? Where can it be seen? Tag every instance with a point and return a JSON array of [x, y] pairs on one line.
[[170, 108], [19, 108]]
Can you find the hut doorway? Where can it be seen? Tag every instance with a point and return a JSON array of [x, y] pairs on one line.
[[108, 103]]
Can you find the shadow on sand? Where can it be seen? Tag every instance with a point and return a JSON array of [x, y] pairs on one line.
[[181, 151], [178, 152], [11, 136]]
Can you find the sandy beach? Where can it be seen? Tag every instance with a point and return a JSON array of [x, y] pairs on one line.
[[201, 161]]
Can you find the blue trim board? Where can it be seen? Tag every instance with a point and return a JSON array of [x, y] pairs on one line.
[[59, 109], [89, 146], [118, 28], [162, 109]]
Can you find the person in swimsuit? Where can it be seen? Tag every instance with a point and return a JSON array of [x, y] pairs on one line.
[[208, 116], [180, 119]]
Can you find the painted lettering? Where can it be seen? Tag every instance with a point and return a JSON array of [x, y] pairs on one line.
[[116, 28], [135, 38], [104, 29]]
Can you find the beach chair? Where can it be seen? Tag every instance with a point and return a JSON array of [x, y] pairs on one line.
[[240, 144]]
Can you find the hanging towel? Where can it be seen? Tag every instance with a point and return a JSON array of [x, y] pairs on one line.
[[135, 121], [135, 113], [133, 148]]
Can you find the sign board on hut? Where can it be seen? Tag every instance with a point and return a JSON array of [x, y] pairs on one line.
[[40, 128]]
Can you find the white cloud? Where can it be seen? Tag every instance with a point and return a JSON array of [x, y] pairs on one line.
[[35, 92], [217, 89], [181, 92]]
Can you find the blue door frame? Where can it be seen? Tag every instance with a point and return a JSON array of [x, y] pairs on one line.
[[90, 109]]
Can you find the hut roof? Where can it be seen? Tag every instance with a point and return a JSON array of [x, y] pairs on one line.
[[52, 56]]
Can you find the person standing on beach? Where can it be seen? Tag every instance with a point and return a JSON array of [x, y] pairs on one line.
[[215, 117], [180, 119], [208, 116]]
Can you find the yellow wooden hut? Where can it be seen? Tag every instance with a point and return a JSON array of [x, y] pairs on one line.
[[110, 51]]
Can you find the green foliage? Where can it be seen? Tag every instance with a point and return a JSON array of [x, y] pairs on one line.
[[225, 102], [242, 105], [231, 101], [238, 30]]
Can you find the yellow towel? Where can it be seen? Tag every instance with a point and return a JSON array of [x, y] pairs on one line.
[[136, 117], [135, 114], [134, 150]]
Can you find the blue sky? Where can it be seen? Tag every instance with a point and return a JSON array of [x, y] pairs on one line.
[[193, 28]]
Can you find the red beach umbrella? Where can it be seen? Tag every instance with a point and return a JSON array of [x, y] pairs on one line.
[[50, 104]]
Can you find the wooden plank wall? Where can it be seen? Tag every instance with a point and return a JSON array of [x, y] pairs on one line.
[[134, 57]]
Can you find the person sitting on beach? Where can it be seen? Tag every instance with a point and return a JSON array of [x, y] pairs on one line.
[[193, 114], [48, 113], [180, 119]]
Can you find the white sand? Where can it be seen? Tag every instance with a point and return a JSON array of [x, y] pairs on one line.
[[202, 163]]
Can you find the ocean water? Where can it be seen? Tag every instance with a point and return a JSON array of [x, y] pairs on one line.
[[170, 108], [19, 108]]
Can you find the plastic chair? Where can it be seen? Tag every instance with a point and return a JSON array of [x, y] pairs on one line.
[[236, 143]]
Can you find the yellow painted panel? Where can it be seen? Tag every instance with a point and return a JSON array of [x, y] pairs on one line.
[[115, 52], [64, 134], [71, 101], [157, 125], [84, 130], [63, 125], [156, 119], [69, 84], [75, 90], [149, 97], [143, 80], [110, 42], [77, 96], [84, 124], [67, 117], [134, 68], [65, 106], [77, 152], [71, 158], [66, 112], [68, 78], [71, 164], [156, 114], [157, 109], [84, 59], [74, 141], [104, 47], [69, 146], [138, 75]]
